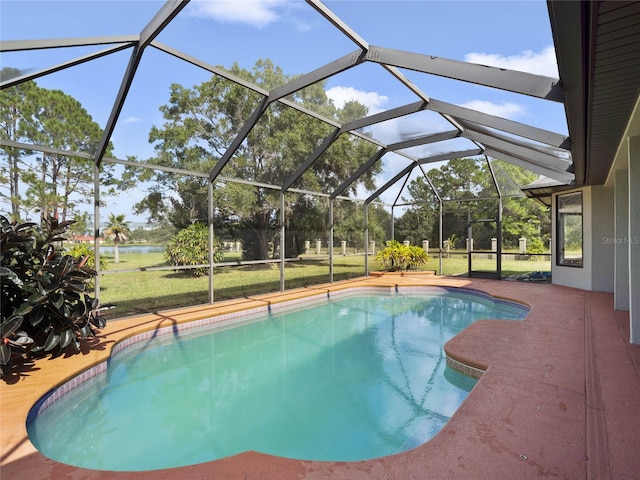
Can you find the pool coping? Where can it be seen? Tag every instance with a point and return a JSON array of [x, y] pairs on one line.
[[470, 438]]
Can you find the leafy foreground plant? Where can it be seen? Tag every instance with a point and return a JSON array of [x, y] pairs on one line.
[[45, 307], [396, 256]]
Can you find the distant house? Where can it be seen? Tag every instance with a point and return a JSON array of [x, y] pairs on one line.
[[84, 239]]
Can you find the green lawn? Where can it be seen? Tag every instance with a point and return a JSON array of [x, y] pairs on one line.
[[147, 291]]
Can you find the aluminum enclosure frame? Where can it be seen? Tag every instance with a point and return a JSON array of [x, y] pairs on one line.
[[540, 151]]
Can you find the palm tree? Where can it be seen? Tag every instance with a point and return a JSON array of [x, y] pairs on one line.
[[118, 229]]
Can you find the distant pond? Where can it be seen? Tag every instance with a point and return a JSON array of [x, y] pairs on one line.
[[125, 249]]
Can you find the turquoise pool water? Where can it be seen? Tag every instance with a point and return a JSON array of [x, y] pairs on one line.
[[348, 379]]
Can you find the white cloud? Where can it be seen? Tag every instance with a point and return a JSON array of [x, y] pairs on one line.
[[132, 119], [341, 95], [540, 63], [258, 13], [505, 110]]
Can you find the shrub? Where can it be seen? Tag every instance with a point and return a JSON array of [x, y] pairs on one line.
[[45, 308], [396, 256], [190, 246], [82, 250], [535, 246]]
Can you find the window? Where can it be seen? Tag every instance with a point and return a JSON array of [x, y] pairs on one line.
[[569, 230]]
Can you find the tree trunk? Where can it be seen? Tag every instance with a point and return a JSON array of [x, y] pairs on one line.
[[14, 175]]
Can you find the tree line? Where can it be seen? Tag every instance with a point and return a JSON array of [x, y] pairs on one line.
[[47, 183]]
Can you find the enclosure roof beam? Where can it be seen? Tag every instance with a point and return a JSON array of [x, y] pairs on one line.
[[21, 45], [449, 155], [208, 67], [506, 181], [543, 159], [160, 20], [237, 141], [433, 188], [405, 171], [424, 140], [277, 94], [312, 158], [358, 173], [404, 184], [542, 148], [384, 116], [432, 159], [406, 82], [338, 23], [509, 126], [565, 178], [61, 66], [510, 80], [328, 70], [493, 176], [239, 81]]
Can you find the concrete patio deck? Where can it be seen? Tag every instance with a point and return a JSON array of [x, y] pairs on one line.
[[560, 397]]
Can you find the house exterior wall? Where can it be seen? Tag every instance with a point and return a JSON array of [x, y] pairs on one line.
[[633, 239], [603, 240], [621, 217]]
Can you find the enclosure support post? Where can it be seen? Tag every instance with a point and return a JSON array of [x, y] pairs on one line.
[[440, 240], [331, 240], [498, 222], [499, 237], [282, 242], [211, 236], [366, 239], [393, 221], [96, 226], [469, 242]]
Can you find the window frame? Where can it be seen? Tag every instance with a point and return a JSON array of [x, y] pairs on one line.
[[561, 229]]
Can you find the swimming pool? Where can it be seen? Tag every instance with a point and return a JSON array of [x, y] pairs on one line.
[[351, 378]]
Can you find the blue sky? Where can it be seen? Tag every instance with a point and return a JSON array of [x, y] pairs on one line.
[[509, 34]]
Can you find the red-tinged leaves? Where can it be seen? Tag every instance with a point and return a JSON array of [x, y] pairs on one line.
[[21, 341]]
